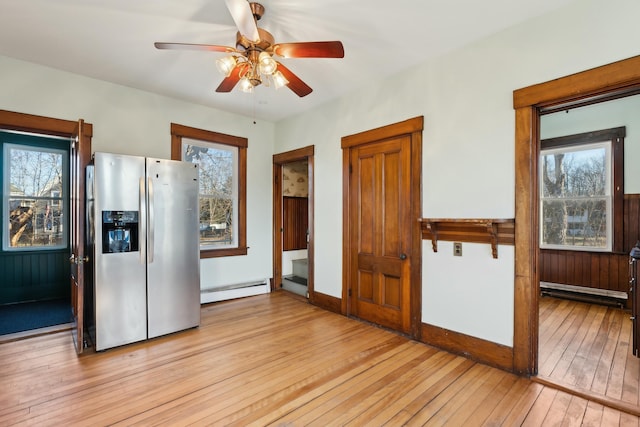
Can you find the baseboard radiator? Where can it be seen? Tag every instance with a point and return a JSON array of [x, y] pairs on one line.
[[238, 290], [584, 294]]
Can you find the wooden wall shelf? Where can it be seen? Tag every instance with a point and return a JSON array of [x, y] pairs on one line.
[[492, 231]]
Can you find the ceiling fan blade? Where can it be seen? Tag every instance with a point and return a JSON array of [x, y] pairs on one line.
[[191, 46], [333, 49], [295, 84], [243, 17], [232, 80]]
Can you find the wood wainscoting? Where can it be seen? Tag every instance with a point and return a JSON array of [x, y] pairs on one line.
[[631, 220], [295, 218], [598, 270]]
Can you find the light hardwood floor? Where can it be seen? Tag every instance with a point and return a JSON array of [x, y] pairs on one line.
[[587, 348], [274, 360]]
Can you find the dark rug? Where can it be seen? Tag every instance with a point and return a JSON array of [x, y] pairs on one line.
[[33, 315]]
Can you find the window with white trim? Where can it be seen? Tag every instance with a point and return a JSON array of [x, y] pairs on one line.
[[34, 203]]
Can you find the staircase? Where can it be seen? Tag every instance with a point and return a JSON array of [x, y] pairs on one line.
[[297, 282]]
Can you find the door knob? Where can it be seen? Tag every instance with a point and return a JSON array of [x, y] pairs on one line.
[[77, 260], [403, 256]]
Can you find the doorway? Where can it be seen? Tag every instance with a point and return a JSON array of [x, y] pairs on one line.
[[599, 84], [79, 134], [293, 222], [589, 223], [34, 291], [295, 218], [382, 240]]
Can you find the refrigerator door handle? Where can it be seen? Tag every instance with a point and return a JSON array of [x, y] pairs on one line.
[[150, 223], [142, 244]]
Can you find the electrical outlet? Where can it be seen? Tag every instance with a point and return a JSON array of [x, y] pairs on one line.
[[457, 249]]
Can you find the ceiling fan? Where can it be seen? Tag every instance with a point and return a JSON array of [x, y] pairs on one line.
[[251, 62]]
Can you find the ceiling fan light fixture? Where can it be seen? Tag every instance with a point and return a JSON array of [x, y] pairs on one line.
[[279, 80], [226, 65], [246, 85], [251, 62], [266, 63]]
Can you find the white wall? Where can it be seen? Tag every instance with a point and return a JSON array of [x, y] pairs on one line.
[[468, 145], [134, 122], [288, 257]]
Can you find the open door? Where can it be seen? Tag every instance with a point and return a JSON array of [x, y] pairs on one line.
[[80, 157]]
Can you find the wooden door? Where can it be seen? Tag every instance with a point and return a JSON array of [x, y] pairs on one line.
[[80, 156], [380, 235]]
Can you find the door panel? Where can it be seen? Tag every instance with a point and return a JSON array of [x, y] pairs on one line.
[[391, 213], [380, 191], [365, 285], [367, 192], [393, 293]]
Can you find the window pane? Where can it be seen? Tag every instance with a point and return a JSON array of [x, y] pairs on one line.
[[575, 173], [575, 187], [218, 177], [577, 222], [35, 202]]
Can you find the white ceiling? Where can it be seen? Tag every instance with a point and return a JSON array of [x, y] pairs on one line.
[[112, 40]]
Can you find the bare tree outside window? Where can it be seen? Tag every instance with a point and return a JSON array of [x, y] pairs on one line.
[[217, 188], [222, 161], [575, 185], [34, 199]]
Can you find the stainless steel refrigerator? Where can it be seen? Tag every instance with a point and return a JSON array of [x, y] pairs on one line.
[[146, 259]]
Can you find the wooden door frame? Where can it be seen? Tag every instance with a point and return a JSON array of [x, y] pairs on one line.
[[10, 120], [412, 127], [39, 124], [279, 160], [598, 84]]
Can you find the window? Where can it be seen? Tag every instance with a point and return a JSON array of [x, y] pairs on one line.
[[581, 191], [222, 164], [34, 204]]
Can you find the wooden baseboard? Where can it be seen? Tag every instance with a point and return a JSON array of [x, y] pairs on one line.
[[326, 302], [486, 352]]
